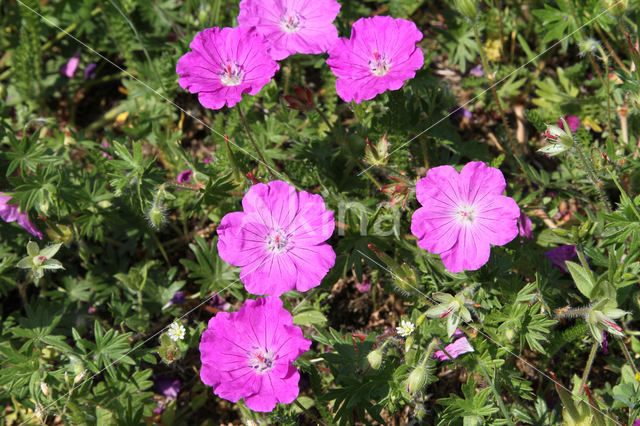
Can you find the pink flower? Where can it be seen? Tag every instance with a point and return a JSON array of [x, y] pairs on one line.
[[572, 121], [184, 176], [69, 69], [380, 55], [224, 64], [364, 286], [207, 160], [278, 240], [248, 354], [524, 226], [11, 213], [559, 255], [292, 26], [477, 71], [462, 215], [455, 349]]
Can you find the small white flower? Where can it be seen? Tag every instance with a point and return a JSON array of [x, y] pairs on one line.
[[406, 328], [176, 332]]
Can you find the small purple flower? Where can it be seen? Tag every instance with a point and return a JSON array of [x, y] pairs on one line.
[[455, 349], [364, 286], [11, 213], [106, 145], [524, 226], [167, 386], [605, 343], [572, 121], [178, 298], [207, 160], [184, 176], [477, 71], [458, 333], [636, 422], [559, 255], [90, 71], [69, 69], [219, 302]]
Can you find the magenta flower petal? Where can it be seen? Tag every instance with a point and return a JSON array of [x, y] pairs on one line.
[[292, 26], [184, 176], [462, 215], [224, 64], [380, 55], [69, 69], [524, 226], [455, 349], [248, 354], [11, 213], [572, 121], [279, 239]]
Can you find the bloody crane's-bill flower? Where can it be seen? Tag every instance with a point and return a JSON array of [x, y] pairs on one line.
[[223, 64], [292, 26], [248, 354], [11, 213], [462, 215], [380, 55], [279, 239]]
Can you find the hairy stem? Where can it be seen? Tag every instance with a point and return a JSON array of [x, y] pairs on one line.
[[253, 142], [587, 368], [627, 355], [496, 395], [593, 177]]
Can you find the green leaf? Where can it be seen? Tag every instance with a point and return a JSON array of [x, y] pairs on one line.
[[309, 316], [581, 277]]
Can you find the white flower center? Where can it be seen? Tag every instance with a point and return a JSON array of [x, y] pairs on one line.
[[231, 73], [261, 360], [379, 64], [290, 22], [465, 214], [277, 241]]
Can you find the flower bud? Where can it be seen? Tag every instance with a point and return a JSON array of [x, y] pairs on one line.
[[467, 7], [79, 377], [417, 379], [301, 101], [44, 388], [156, 216], [375, 358], [616, 7]]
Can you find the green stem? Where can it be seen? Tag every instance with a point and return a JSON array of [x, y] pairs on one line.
[[496, 395], [627, 355], [308, 413], [587, 368], [593, 177], [253, 142], [324, 117], [487, 72]]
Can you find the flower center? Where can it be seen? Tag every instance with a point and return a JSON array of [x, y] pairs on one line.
[[261, 360], [277, 241], [379, 64], [465, 214], [290, 21], [231, 73]]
